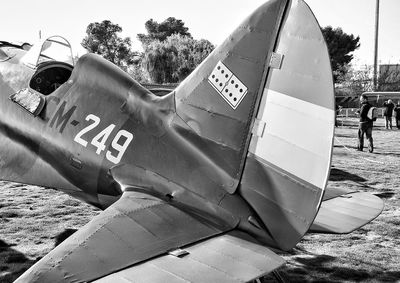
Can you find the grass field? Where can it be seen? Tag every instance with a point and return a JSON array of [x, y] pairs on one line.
[[33, 220]]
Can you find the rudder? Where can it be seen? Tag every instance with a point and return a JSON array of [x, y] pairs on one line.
[[288, 164]]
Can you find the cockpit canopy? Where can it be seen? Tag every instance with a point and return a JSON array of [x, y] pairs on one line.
[[52, 62], [54, 48]]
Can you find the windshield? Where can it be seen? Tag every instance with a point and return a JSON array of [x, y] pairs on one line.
[[55, 48]]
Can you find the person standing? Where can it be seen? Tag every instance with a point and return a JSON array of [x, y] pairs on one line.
[[389, 105], [396, 111], [365, 125]]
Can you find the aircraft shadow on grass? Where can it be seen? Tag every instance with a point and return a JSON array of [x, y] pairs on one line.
[[10, 258], [338, 175], [341, 175], [12, 262], [385, 195], [63, 235], [325, 271]]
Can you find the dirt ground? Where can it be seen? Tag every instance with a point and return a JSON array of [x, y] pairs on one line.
[[33, 220]]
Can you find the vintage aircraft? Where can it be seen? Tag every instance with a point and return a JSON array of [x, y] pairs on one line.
[[198, 185]]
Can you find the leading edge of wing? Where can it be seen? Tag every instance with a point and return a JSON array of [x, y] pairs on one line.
[[229, 258], [134, 229]]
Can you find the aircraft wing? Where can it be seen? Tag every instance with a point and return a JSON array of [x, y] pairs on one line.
[[224, 258], [344, 211], [140, 227]]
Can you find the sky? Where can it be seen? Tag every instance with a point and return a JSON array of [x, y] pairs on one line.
[[21, 20]]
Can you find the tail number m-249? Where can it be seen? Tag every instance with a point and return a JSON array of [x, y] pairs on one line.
[[100, 140]]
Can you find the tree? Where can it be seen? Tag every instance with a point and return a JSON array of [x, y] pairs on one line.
[[171, 60], [355, 81], [340, 45], [170, 52], [163, 30], [138, 71], [389, 79], [102, 39]]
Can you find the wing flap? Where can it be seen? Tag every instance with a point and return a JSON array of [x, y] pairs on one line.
[[346, 213], [224, 258], [135, 228]]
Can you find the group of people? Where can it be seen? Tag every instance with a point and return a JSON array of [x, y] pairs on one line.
[[390, 109], [366, 121]]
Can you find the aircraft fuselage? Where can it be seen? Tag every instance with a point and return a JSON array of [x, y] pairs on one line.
[[101, 133]]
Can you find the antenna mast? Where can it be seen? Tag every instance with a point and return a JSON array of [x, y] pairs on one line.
[[376, 46]]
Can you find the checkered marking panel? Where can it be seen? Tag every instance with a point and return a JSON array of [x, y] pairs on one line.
[[227, 85]]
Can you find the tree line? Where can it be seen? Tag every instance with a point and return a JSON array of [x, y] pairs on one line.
[[170, 53]]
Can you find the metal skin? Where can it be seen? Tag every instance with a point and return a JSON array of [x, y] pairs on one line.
[[101, 135]]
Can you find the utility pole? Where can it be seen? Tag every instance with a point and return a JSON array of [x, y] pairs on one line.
[[376, 46]]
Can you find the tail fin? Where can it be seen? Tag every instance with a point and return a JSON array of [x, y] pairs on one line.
[[288, 165], [220, 98], [267, 93]]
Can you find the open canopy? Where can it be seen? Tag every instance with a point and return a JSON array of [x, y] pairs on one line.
[[54, 48]]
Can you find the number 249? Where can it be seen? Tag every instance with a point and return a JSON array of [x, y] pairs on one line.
[[99, 141]]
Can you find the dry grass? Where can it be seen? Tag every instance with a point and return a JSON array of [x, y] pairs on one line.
[[33, 220]]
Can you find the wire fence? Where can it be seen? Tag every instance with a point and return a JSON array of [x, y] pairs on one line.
[[351, 112]]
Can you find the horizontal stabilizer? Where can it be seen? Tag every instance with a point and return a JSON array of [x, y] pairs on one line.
[[225, 258], [346, 213]]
